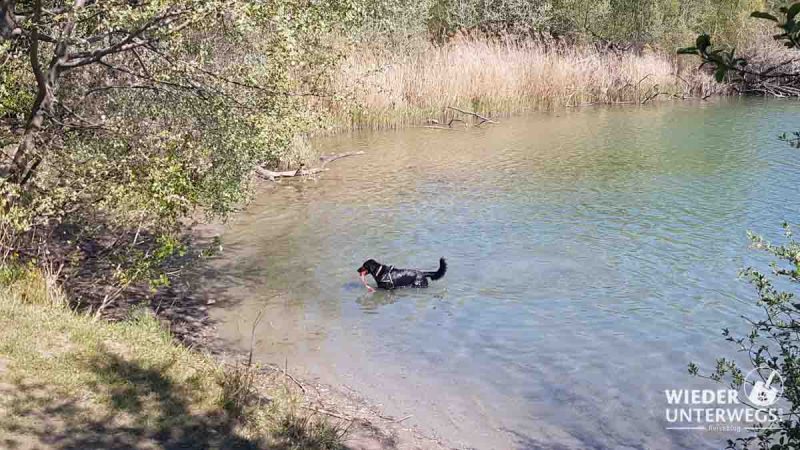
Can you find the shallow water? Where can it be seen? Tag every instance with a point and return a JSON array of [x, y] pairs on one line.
[[592, 254]]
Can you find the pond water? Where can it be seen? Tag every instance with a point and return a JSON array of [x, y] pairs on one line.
[[592, 254]]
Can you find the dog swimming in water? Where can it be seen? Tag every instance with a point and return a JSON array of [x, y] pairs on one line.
[[388, 277]]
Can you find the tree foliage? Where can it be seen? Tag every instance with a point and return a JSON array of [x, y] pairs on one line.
[[773, 342], [663, 22], [722, 58], [122, 119]]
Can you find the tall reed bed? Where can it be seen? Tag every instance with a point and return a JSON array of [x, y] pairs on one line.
[[392, 88]]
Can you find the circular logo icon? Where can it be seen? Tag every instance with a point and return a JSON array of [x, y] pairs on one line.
[[763, 386]]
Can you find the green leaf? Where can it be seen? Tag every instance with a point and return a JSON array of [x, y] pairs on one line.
[[792, 12], [719, 74], [703, 42], [763, 15]]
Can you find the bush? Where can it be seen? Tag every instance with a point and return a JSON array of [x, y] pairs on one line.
[[145, 115]]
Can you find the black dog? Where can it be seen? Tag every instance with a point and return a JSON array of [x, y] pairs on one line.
[[388, 277]]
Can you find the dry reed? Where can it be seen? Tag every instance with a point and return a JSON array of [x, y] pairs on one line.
[[393, 88]]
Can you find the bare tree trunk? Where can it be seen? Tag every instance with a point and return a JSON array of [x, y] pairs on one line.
[[21, 168], [43, 101], [27, 146], [302, 171]]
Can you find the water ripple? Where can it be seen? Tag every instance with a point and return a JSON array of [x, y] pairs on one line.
[[593, 254]]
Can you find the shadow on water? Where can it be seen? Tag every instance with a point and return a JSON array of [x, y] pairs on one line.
[[370, 302], [213, 279], [186, 301]]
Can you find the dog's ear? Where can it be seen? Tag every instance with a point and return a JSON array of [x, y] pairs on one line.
[[366, 267], [370, 265]]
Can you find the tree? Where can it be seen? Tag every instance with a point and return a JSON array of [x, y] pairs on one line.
[[763, 77], [81, 35], [122, 119]]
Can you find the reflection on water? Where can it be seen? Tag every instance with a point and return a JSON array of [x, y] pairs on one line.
[[592, 254]]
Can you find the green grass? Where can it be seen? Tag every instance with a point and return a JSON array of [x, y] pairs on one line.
[[68, 381]]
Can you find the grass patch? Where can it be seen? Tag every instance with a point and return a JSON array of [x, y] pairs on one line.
[[69, 381]]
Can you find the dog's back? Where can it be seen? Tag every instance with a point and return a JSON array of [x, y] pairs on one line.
[[388, 277]]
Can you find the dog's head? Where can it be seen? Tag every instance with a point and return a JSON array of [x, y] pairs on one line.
[[370, 266]]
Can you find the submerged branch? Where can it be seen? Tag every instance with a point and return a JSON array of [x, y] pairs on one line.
[[272, 175], [331, 158], [473, 114]]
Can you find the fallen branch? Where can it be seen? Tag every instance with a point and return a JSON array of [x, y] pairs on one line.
[[581, 105], [272, 175], [392, 419], [450, 123], [652, 96], [473, 114], [276, 368], [436, 125], [329, 413], [403, 418], [639, 84], [331, 158]]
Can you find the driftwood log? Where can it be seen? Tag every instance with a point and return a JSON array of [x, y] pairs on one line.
[[433, 123], [271, 175]]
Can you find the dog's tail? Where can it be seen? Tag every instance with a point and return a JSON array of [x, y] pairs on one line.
[[439, 273]]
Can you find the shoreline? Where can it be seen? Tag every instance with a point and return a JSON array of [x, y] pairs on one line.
[[188, 318], [160, 356]]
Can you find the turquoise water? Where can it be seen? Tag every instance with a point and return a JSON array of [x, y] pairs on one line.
[[592, 254]]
